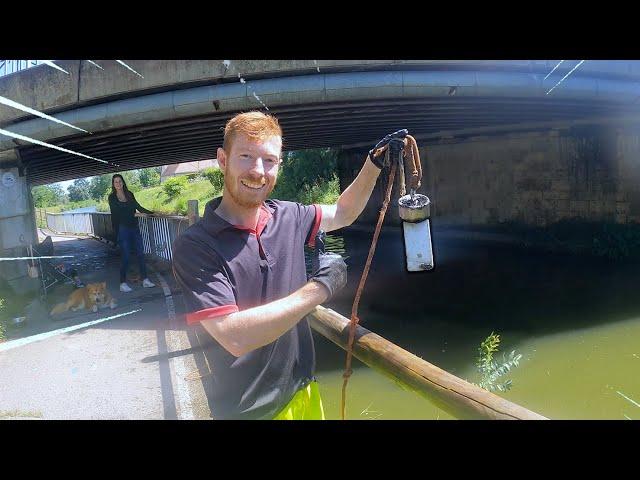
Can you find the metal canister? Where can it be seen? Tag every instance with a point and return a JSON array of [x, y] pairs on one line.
[[415, 211]]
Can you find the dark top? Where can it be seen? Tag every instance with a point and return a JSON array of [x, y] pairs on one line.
[[223, 269], [124, 213]]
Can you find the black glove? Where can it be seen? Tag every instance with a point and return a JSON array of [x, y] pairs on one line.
[[395, 141], [331, 272]]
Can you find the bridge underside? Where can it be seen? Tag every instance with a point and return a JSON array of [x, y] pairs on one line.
[[309, 126]]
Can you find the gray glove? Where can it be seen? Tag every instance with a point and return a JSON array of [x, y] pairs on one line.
[[331, 272]]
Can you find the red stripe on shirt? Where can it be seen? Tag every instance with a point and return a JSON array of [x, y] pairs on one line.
[[212, 312], [316, 226], [263, 218]]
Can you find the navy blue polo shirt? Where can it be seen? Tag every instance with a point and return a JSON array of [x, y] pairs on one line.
[[222, 269]]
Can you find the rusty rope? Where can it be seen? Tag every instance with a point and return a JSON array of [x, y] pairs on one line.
[[410, 151]]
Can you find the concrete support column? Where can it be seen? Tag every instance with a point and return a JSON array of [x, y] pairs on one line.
[[17, 230]]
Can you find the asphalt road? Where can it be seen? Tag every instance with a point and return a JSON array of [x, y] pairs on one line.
[[139, 365]]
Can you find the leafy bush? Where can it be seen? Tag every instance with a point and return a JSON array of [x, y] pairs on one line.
[[181, 206], [150, 177], [321, 193], [174, 186], [489, 369], [47, 195], [308, 176], [100, 186], [215, 177]]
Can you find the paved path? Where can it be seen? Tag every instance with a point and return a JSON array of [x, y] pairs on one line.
[[137, 365]]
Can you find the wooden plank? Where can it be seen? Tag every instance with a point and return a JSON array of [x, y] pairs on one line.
[[448, 392]]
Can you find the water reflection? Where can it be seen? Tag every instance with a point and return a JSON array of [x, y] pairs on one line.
[[576, 321]]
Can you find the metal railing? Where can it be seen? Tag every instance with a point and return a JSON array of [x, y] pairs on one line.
[[8, 67], [452, 394], [158, 231], [70, 223]]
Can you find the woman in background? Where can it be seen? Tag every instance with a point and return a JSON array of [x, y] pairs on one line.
[[123, 210]]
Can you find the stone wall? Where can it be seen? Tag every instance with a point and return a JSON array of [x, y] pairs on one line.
[[535, 178]]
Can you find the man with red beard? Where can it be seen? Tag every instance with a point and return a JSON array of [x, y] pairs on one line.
[[242, 272]]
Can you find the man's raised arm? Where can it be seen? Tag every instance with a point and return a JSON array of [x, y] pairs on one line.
[[352, 201]]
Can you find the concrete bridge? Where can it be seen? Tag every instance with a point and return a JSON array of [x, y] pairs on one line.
[[496, 141], [175, 113]]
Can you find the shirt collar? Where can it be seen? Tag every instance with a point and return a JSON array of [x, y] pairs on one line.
[[214, 223]]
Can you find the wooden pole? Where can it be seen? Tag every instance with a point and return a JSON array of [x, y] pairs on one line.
[[192, 211], [448, 392]]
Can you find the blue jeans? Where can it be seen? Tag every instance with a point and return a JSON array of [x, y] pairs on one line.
[[128, 237]]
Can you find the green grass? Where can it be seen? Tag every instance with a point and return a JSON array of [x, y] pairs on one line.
[[156, 199]]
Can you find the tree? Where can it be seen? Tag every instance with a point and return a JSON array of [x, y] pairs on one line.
[[60, 195], [149, 177], [47, 195], [132, 179], [215, 177], [174, 186], [303, 170], [79, 190], [99, 186]]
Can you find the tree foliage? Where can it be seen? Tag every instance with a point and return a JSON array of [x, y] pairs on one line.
[[132, 178], [215, 177], [149, 177], [174, 186], [304, 171], [79, 190], [47, 195], [100, 186]]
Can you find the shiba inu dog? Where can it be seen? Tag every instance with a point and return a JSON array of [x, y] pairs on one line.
[[91, 297]]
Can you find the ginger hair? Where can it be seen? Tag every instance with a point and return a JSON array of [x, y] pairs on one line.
[[255, 125]]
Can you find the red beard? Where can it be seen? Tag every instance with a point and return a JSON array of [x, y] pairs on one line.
[[243, 196]]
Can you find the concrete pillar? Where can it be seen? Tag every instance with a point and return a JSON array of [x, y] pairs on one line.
[[17, 230]]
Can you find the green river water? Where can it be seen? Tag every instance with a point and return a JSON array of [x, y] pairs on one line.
[[575, 320]]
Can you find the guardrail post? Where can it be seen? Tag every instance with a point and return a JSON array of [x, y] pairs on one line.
[[192, 211]]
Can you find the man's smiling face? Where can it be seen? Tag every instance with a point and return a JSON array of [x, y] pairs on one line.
[[250, 169]]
